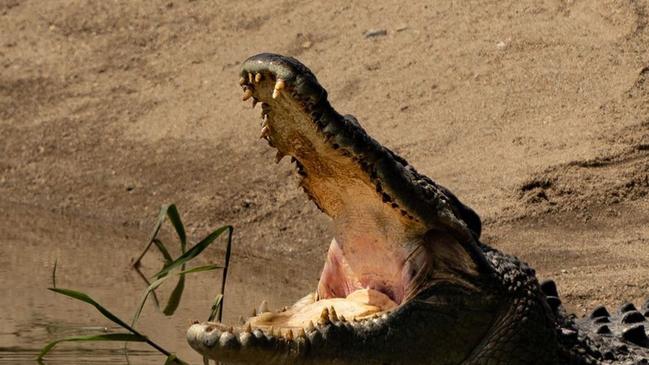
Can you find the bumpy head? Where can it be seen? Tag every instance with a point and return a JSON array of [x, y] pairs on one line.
[[404, 280]]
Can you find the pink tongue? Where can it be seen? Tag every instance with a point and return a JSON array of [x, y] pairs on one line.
[[372, 297], [341, 277]]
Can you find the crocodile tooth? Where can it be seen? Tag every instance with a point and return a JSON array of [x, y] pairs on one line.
[[310, 327], [263, 307], [271, 331], [289, 335], [242, 81], [301, 332], [265, 132], [342, 318], [254, 312], [241, 320], [247, 94], [279, 86], [248, 328], [257, 77], [333, 316], [324, 317], [251, 78], [302, 342]]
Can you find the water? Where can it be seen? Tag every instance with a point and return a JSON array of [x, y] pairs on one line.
[[94, 258]]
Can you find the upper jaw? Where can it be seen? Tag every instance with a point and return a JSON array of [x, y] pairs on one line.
[[300, 122], [349, 175]]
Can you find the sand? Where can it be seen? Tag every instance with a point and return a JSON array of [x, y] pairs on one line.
[[535, 113]]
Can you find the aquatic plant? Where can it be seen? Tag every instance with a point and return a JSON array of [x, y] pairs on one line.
[[171, 268]]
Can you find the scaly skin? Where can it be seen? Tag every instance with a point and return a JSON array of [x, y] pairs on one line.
[[406, 280]]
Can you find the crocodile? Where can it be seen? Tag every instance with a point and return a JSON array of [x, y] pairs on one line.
[[406, 279]]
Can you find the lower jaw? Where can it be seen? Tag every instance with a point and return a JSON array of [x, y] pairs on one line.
[[283, 337]]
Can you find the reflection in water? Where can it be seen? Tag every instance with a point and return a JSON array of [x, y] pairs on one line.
[[94, 258], [78, 356]]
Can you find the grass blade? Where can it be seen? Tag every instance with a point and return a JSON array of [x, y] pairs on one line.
[[154, 234], [86, 298], [216, 307], [177, 293], [148, 283], [121, 337], [163, 250], [193, 252], [201, 269], [155, 284], [174, 298], [174, 217], [172, 212], [228, 251]]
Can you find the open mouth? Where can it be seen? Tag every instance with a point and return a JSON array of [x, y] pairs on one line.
[[389, 244]]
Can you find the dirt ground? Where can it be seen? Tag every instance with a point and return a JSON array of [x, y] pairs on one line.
[[536, 113]]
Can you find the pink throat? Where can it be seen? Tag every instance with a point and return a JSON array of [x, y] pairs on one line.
[[365, 264]]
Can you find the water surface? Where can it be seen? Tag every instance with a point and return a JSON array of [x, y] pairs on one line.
[[94, 257]]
